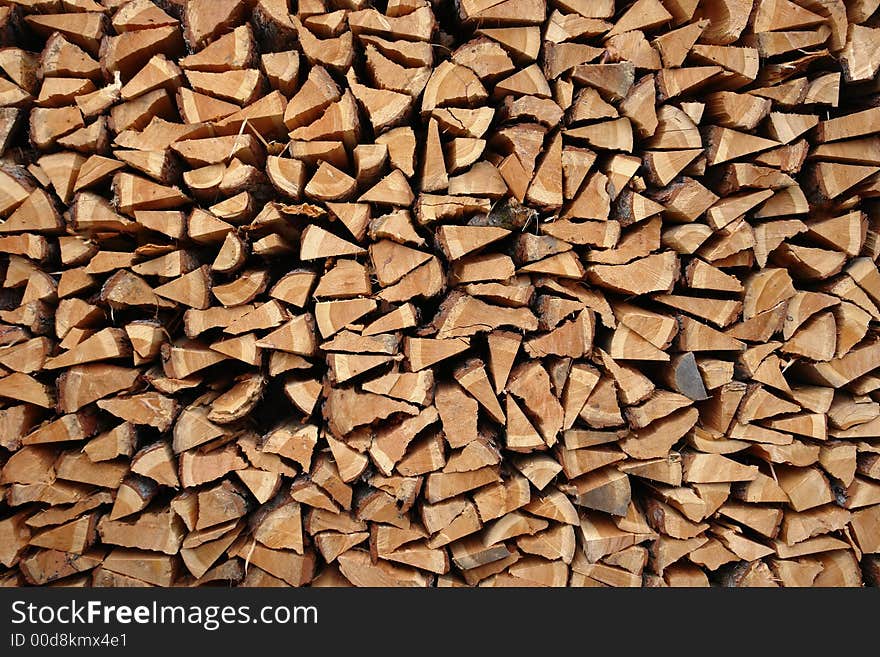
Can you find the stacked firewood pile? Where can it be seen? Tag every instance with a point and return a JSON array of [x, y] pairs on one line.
[[484, 292]]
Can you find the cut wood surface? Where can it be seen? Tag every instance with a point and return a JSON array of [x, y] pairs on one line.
[[478, 293]]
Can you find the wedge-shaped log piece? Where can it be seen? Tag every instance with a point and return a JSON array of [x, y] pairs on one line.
[[651, 274]]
